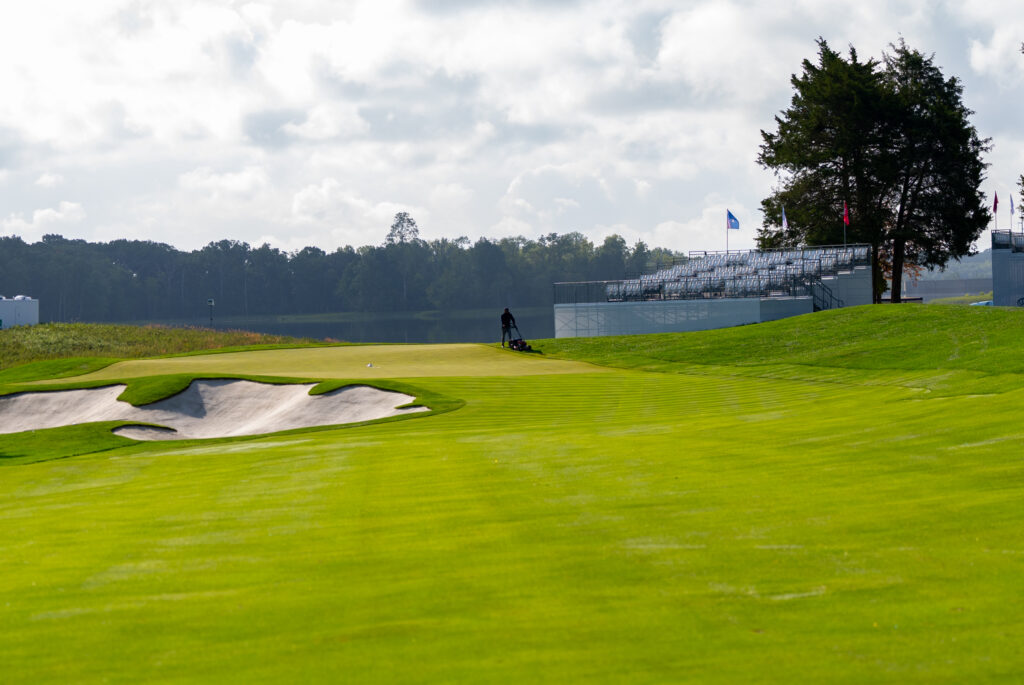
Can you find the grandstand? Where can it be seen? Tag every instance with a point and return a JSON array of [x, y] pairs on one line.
[[716, 290]]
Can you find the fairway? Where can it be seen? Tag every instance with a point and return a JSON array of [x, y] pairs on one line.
[[701, 508]]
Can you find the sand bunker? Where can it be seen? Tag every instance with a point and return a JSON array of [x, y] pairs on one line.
[[206, 409]]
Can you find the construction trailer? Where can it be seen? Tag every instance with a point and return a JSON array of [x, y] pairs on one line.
[[20, 310]]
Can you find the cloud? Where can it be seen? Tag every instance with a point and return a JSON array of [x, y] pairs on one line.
[[318, 201], [349, 217], [273, 127], [450, 196], [43, 220], [238, 183], [1000, 56], [325, 122], [48, 180]]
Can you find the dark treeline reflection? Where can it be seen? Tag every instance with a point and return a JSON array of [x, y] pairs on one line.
[[135, 280], [456, 326]]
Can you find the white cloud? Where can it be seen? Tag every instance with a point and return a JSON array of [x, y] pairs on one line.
[[245, 182], [66, 214], [999, 56], [48, 180], [317, 201], [450, 195], [329, 208], [328, 121]]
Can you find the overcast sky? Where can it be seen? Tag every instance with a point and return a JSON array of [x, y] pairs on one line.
[[312, 122]]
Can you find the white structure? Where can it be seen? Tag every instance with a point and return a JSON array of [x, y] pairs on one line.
[[18, 311], [717, 290], [1007, 269]]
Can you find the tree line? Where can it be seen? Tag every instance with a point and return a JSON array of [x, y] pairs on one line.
[[139, 280]]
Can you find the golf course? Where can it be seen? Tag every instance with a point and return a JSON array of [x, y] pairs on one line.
[[830, 498]]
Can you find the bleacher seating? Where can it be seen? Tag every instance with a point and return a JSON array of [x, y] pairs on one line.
[[755, 273]]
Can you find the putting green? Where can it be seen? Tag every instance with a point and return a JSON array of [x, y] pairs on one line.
[[350, 362]]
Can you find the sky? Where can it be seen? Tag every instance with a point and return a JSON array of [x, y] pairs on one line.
[[313, 122]]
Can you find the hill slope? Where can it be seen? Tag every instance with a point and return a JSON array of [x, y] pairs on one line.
[[903, 337], [947, 349]]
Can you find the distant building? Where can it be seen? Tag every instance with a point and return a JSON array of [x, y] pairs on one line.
[[717, 290], [18, 311], [1007, 269]]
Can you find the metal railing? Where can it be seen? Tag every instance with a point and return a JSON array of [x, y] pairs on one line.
[[823, 296], [859, 253], [1008, 240], [682, 289]]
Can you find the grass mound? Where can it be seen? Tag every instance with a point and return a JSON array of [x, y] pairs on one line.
[[58, 341], [901, 337], [945, 349]]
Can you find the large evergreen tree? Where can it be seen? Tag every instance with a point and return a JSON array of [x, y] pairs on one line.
[[893, 141]]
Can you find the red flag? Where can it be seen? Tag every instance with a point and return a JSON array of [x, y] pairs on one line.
[[846, 214], [995, 205]]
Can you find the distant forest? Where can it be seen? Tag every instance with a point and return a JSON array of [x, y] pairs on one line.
[[973, 266], [134, 280]]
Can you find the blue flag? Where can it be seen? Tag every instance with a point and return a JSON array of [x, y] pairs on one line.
[[731, 221]]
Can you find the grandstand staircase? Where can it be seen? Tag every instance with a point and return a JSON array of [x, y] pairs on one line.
[[822, 295]]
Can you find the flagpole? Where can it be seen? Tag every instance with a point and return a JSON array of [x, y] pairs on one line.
[[846, 220]]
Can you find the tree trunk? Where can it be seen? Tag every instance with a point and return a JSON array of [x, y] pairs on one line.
[[898, 252], [876, 276]]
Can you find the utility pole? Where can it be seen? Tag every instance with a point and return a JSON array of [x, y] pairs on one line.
[[210, 303]]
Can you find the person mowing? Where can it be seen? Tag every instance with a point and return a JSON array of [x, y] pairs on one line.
[[508, 322]]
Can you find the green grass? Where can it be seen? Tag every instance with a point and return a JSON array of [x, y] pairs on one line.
[[822, 499], [66, 342], [867, 338]]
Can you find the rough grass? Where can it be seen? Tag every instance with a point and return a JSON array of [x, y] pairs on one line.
[[63, 341], [698, 522]]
